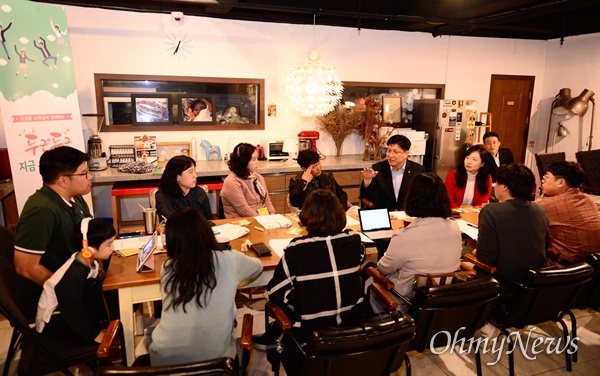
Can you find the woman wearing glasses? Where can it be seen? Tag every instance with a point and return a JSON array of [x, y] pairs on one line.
[[245, 192]]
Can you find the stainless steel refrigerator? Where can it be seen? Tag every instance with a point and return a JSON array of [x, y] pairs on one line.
[[448, 123]]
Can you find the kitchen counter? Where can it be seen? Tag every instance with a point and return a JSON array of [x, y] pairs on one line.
[[219, 168]]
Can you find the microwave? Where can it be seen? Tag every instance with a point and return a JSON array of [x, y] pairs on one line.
[[274, 151]]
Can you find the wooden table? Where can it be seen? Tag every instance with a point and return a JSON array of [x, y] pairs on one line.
[[136, 288]]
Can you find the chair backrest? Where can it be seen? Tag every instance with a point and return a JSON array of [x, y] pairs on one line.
[[545, 294], [375, 347], [544, 160], [590, 294], [220, 366], [152, 197], [459, 309], [590, 162], [7, 245]]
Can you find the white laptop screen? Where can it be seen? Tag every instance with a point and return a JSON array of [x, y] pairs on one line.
[[374, 219]]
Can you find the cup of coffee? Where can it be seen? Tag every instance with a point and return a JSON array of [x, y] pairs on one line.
[[149, 220]]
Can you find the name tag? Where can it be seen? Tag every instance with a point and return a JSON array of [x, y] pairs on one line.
[[263, 211]]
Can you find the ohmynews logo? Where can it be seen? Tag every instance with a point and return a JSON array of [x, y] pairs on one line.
[[496, 345]]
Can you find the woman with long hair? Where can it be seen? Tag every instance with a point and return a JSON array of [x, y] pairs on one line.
[[471, 182], [178, 189], [198, 283], [431, 243], [244, 190]]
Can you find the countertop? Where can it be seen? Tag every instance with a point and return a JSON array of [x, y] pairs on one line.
[[6, 188], [219, 168]]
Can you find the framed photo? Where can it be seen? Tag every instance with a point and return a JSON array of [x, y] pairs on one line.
[[145, 148], [196, 109], [167, 150], [151, 109], [117, 110], [391, 109]]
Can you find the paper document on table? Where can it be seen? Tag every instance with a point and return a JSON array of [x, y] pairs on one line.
[[278, 245], [468, 228], [351, 221], [398, 214], [229, 232], [274, 221]]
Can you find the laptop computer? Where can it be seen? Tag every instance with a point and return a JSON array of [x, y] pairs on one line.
[[375, 223], [145, 261]]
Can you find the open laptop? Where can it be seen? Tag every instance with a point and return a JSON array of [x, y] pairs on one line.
[[145, 261], [375, 223]]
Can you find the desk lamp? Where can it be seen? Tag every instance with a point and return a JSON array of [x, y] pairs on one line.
[[563, 96], [579, 106]]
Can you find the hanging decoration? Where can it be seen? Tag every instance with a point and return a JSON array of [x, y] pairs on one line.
[[313, 88]]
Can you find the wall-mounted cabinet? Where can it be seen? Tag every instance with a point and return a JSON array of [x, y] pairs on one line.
[[177, 103]]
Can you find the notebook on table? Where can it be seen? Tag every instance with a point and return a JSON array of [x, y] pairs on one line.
[[375, 223]]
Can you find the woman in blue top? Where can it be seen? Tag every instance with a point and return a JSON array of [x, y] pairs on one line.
[[178, 189]]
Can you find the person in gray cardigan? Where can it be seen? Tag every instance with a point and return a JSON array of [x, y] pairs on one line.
[[198, 284]]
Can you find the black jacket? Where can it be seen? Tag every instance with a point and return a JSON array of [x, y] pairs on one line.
[[381, 190], [325, 181], [506, 157]]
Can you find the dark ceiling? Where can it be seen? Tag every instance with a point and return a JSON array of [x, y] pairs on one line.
[[521, 19]]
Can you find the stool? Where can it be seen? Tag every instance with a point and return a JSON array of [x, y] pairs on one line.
[[128, 189]]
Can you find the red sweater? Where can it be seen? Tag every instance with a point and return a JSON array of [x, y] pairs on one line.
[[456, 194]]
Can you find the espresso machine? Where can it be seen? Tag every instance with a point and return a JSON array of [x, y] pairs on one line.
[[308, 140], [97, 156]]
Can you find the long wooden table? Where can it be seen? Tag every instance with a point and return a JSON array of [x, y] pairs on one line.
[[136, 288]]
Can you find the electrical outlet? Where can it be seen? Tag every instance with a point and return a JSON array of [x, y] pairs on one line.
[[531, 144]]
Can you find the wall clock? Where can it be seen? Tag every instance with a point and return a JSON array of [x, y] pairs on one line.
[[179, 45]]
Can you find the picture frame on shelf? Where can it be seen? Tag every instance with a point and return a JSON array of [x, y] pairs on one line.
[[118, 110], [167, 150], [204, 106], [391, 109], [145, 148], [151, 109]]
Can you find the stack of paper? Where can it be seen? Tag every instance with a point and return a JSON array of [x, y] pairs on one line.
[[227, 232], [274, 221]]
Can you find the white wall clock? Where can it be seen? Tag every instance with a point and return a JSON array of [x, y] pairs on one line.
[[179, 45]]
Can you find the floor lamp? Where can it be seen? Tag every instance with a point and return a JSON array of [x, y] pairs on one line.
[[557, 107], [579, 106]]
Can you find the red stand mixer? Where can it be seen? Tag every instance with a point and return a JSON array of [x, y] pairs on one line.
[[307, 140]]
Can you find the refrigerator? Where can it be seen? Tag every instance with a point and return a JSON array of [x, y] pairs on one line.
[[449, 124]]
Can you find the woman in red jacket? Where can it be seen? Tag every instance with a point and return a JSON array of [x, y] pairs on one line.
[[471, 183]]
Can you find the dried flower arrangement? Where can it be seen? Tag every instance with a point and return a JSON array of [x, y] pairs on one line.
[[340, 123], [374, 141]]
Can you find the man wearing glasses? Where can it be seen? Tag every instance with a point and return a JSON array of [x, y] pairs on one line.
[[574, 217], [43, 236], [386, 183]]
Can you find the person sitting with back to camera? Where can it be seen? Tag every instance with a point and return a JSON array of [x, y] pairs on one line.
[[178, 189], [312, 178], [198, 287], [574, 217], [470, 183], [430, 244], [386, 183], [72, 304], [244, 192], [318, 280]]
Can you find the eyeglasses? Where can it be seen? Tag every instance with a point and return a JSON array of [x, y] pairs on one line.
[[396, 151], [84, 173]]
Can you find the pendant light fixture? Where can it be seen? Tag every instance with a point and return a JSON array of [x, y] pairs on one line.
[[313, 88]]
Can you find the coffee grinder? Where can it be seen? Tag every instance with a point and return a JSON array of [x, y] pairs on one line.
[[97, 156]]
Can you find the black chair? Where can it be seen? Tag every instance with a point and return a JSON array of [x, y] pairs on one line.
[[460, 307], [39, 353], [590, 162], [545, 294], [219, 366], [544, 160], [376, 346], [590, 294]]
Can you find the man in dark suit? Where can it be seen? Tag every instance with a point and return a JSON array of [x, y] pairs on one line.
[[496, 155], [386, 183]]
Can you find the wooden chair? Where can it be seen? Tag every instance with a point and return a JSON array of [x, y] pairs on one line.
[[545, 294], [41, 354], [219, 366]]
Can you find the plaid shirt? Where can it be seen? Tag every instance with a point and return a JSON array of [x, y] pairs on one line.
[[574, 224], [317, 281]]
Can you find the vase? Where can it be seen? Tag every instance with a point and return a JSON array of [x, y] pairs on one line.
[[338, 148], [368, 153]]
